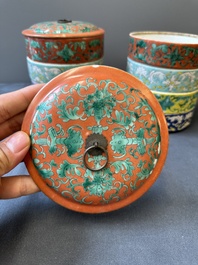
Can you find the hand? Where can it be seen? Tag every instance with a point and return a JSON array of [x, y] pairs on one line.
[[14, 143]]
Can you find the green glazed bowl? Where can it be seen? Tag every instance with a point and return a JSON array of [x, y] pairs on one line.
[[164, 79], [44, 72]]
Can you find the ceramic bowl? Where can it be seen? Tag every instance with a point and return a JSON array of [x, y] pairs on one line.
[[164, 49], [44, 72], [164, 79], [179, 122], [99, 139], [64, 42], [178, 108]]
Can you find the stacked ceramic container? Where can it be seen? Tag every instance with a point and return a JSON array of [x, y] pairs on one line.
[[57, 46], [167, 62]]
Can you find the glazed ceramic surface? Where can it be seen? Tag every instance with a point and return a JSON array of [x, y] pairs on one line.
[[99, 139], [164, 49], [64, 50], [178, 122], [164, 79], [177, 103], [64, 42], [67, 43], [178, 108], [61, 28], [44, 72]]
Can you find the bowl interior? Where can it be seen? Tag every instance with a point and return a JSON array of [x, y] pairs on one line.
[[169, 37]]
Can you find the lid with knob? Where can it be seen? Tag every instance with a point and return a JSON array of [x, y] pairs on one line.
[[99, 139], [63, 28]]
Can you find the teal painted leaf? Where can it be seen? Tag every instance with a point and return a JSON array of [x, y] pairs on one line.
[[122, 119], [140, 56], [53, 163], [95, 55], [66, 167], [174, 56], [164, 48], [41, 132], [86, 29], [81, 45], [131, 40], [46, 173], [141, 44], [141, 164], [124, 165], [43, 107], [49, 45], [94, 43], [67, 114], [97, 129], [189, 50], [34, 44]]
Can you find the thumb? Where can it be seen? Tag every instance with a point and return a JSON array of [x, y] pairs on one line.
[[12, 151]]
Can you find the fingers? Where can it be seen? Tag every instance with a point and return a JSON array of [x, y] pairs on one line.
[[12, 151], [16, 102], [16, 186], [14, 148], [12, 125]]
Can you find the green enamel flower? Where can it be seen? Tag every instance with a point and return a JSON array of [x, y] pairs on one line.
[[67, 168], [119, 143], [99, 104], [66, 53], [99, 183], [73, 142]]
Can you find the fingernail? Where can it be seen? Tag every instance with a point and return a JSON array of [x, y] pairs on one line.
[[17, 142]]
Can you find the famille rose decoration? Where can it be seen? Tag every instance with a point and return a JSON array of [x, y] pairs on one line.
[[99, 139], [167, 63], [164, 49], [54, 47]]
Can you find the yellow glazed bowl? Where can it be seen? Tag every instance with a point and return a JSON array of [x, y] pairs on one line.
[[178, 108]]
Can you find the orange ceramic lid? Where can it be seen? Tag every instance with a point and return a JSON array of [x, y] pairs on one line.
[[99, 139], [63, 28]]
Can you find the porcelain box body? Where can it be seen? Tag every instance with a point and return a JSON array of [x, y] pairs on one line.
[[54, 47]]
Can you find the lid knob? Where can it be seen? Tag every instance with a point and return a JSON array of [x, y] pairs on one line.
[[64, 21], [96, 146]]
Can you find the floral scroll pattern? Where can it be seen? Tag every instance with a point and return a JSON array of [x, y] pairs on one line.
[[43, 72], [177, 103], [53, 27], [163, 55], [64, 51], [118, 112], [164, 79]]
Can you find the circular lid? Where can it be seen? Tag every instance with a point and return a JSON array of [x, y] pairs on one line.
[[99, 139], [62, 28]]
